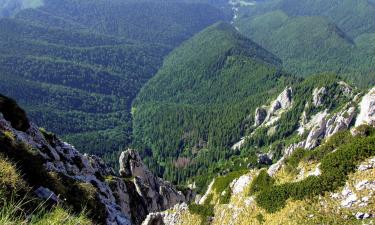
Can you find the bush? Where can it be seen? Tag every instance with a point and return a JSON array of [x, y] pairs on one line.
[[335, 168], [261, 182], [222, 184]]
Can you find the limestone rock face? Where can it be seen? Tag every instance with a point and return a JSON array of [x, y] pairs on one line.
[[367, 107], [115, 200], [270, 114], [327, 127], [65, 162], [158, 194], [168, 217], [285, 98], [318, 96]]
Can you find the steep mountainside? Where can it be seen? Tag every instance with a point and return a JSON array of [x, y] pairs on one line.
[[76, 66], [44, 180], [194, 107], [327, 176], [315, 36]]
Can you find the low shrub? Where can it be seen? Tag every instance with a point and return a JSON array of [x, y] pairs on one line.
[[335, 168], [261, 182]]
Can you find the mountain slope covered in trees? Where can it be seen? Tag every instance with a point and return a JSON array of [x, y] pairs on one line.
[[316, 36], [194, 107], [76, 66]]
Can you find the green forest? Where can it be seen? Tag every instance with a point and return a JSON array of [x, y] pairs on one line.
[[78, 79]]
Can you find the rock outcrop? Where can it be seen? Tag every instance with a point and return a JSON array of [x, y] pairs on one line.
[[270, 114], [171, 217], [260, 116], [157, 193], [367, 107], [329, 125], [318, 96], [61, 164], [60, 174]]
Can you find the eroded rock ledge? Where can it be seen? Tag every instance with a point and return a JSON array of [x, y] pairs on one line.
[[61, 174]]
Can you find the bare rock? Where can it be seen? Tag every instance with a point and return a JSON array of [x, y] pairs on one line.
[[367, 109], [318, 96], [238, 185], [158, 194]]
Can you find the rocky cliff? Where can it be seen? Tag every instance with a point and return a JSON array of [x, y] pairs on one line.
[[326, 177], [60, 174]]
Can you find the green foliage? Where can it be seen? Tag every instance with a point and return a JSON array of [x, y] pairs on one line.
[[261, 182], [199, 113], [260, 218], [205, 211], [335, 168], [293, 161], [202, 210], [78, 65], [222, 188], [316, 36]]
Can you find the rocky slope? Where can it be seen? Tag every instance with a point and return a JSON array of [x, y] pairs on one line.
[[330, 140], [60, 174]]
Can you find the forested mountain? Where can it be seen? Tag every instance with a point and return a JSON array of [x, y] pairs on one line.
[[315, 36], [146, 21], [194, 107], [76, 66]]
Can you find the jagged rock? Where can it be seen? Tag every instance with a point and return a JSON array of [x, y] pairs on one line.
[[54, 156], [260, 116], [238, 185], [367, 107], [268, 115], [316, 134], [318, 96], [158, 195], [346, 89], [285, 98], [117, 201], [282, 102], [290, 149], [314, 121], [272, 170], [168, 217], [340, 121]]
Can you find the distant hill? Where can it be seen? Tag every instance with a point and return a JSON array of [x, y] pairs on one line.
[[316, 36], [166, 22]]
